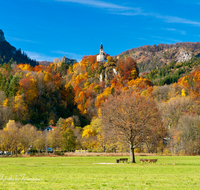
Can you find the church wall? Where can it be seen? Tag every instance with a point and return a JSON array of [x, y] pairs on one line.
[[100, 58]]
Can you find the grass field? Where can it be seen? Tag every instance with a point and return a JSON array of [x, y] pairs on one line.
[[87, 173]]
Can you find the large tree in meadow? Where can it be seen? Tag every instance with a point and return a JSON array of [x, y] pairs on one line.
[[133, 118]]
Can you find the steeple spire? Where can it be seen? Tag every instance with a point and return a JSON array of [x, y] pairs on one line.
[[101, 47]]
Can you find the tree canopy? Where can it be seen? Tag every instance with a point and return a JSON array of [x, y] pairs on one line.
[[135, 118]]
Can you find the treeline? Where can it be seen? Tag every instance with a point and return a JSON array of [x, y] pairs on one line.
[[9, 54], [21, 139], [64, 137], [172, 72]]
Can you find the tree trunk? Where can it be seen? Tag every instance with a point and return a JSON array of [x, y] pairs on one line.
[[147, 147], [132, 155]]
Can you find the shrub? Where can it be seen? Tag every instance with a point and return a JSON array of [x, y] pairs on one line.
[[167, 151], [58, 152]]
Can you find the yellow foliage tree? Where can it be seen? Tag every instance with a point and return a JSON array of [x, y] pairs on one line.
[[5, 102], [24, 67], [183, 92], [19, 105], [65, 124], [47, 77], [11, 136], [94, 134], [103, 96], [88, 131]]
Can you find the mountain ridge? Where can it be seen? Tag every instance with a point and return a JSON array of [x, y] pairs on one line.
[[150, 57], [9, 53]]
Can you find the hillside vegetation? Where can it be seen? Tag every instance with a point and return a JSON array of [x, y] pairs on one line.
[[9, 54], [170, 73], [71, 97], [74, 97], [42, 94], [150, 57]]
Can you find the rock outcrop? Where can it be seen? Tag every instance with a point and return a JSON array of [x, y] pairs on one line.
[[184, 56], [2, 38]]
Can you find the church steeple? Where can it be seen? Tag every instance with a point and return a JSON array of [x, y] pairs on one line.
[[101, 47], [101, 55]]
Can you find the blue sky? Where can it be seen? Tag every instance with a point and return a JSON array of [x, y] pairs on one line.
[[48, 29]]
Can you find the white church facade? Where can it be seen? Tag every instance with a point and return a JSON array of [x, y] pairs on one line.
[[101, 57]]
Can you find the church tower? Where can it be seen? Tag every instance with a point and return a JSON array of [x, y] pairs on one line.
[[101, 55]]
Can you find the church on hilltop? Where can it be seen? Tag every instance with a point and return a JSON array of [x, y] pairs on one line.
[[101, 57]]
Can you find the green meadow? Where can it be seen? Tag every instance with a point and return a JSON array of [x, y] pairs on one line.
[[170, 172]]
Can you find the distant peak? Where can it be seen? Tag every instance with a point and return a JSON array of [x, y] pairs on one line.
[[2, 38]]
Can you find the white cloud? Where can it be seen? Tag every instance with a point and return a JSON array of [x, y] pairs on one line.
[[105, 5], [172, 19], [165, 40], [95, 3], [175, 30], [38, 56], [131, 11], [168, 19], [69, 54], [22, 40]]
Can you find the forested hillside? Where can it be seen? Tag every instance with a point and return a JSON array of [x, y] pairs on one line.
[[40, 95], [9, 54], [170, 73], [150, 57], [75, 98]]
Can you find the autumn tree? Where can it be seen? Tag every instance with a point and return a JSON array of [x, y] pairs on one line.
[[11, 136], [69, 141], [54, 138], [173, 109], [133, 117], [94, 134], [27, 136], [39, 142], [189, 134], [67, 129], [89, 137], [128, 68]]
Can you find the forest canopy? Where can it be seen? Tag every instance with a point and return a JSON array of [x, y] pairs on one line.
[[73, 97]]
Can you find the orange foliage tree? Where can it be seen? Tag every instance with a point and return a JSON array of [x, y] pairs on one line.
[[134, 118], [192, 83], [128, 68]]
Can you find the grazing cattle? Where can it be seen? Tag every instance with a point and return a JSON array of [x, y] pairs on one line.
[[153, 160], [150, 160], [143, 160]]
